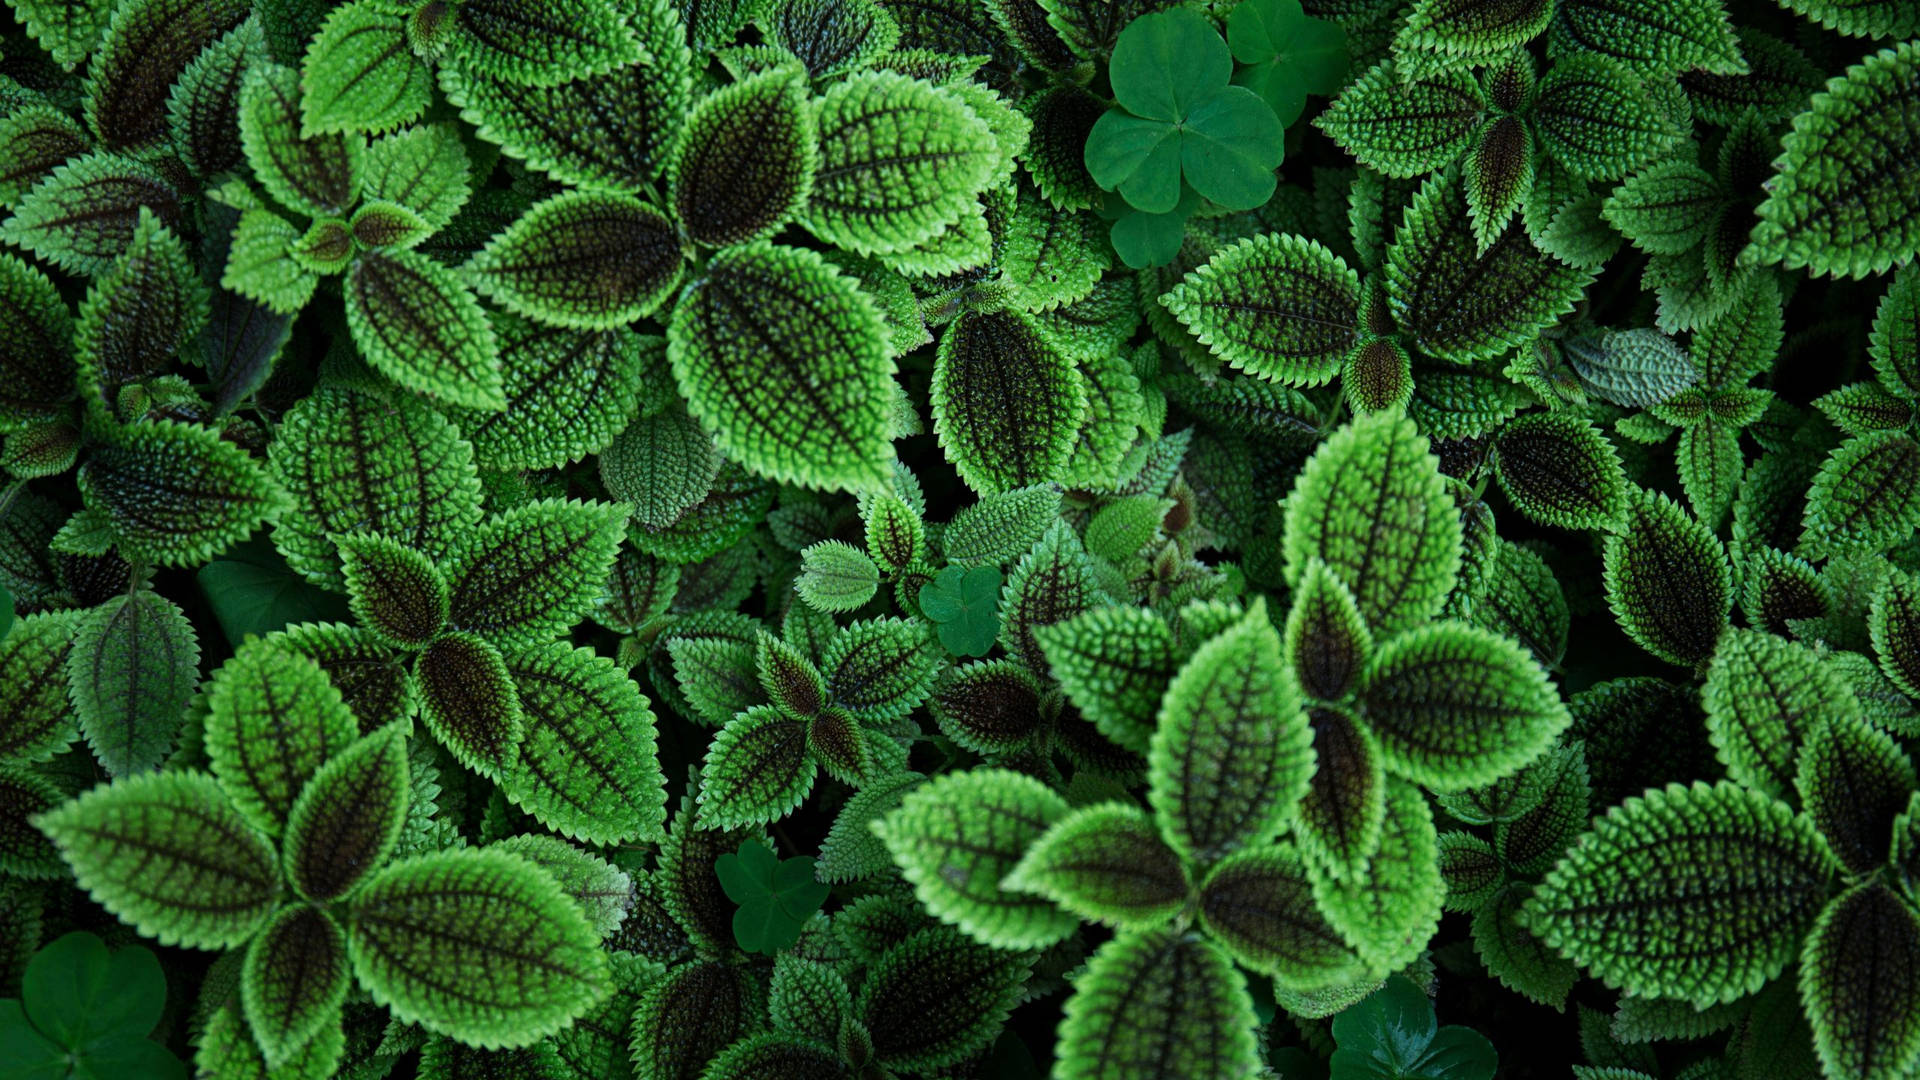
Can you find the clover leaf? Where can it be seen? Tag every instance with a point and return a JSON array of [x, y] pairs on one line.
[[251, 590], [776, 896], [83, 1013], [1392, 1035], [1179, 117], [965, 605], [1287, 54]]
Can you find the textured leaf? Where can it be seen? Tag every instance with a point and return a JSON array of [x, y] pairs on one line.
[[175, 494], [1667, 581], [468, 701], [1002, 527], [1405, 127], [1691, 34], [586, 260], [1700, 893], [131, 672], [1233, 752], [360, 74], [984, 361], [428, 496], [1276, 306], [880, 669], [787, 362], [1448, 32], [757, 770], [1666, 209], [836, 576], [395, 590], [1839, 205], [417, 324], [533, 961], [1866, 495], [35, 140], [317, 176], [1114, 663], [83, 216], [1635, 368], [293, 981], [899, 161], [586, 766], [1894, 343], [529, 574], [1854, 780], [1107, 863], [33, 688], [141, 313], [1259, 904], [36, 371], [1764, 696], [1857, 983], [1390, 910], [663, 464], [937, 998], [746, 157], [1560, 470], [1340, 816], [69, 31], [273, 719], [990, 707], [688, 1017], [551, 41], [1462, 301], [423, 168], [1149, 998], [349, 817], [1594, 116], [1371, 504], [169, 855], [956, 837]]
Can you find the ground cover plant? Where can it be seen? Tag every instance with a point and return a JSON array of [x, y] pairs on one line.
[[1102, 539]]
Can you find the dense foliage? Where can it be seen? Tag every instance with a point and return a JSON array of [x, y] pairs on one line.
[[795, 539]]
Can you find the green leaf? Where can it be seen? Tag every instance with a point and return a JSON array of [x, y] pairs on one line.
[[131, 673], [317, 176], [984, 360], [1392, 1033], [1455, 706], [776, 1056], [1667, 208], [168, 854], [1113, 663], [1594, 116], [832, 37], [937, 998], [349, 817], [1636, 368], [965, 605], [36, 371], [1686, 37], [1001, 527], [1857, 983], [662, 464], [757, 770], [1558, 469], [149, 44], [687, 1018], [1894, 343], [745, 160], [1258, 902], [1893, 623], [851, 852], [896, 538], [1460, 300], [203, 105], [1388, 911], [880, 669], [835, 576], [1764, 696], [69, 31], [1517, 958], [1285, 56], [1233, 752], [1275, 306], [175, 494], [1667, 581], [786, 360], [1837, 205], [468, 701], [83, 216], [1453, 34], [360, 74], [1055, 581], [586, 766], [417, 324], [539, 42], [334, 438], [531, 573], [776, 896], [227, 1049], [533, 961], [423, 168], [1405, 127], [1399, 568], [569, 394], [395, 590], [294, 980], [807, 997], [1854, 781], [33, 688], [141, 313], [585, 260], [900, 160], [604, 892], [1866, 496], [273, 718], [1711, 465], [76, 994], [1340, 815], [991, 707], [1701, 893], [1105, 863], [956, 837], [1149, 998]]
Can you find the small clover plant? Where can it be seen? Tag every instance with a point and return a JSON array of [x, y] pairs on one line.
[[964, 603], [776, 896], [87, 1014], [1392, 1035]]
